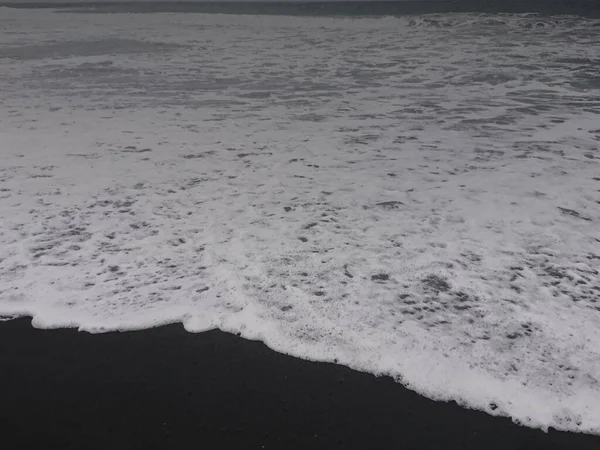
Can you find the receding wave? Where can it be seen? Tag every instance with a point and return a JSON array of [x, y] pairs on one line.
[[415, 196]]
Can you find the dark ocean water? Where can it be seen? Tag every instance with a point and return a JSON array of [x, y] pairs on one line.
[[586, 8]]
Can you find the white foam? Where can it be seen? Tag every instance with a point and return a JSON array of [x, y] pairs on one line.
[[403, 198]]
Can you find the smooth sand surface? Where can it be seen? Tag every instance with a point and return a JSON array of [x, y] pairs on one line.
[[167, 388]]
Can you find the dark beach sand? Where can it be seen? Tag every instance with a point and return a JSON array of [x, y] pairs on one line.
[[168, 389]]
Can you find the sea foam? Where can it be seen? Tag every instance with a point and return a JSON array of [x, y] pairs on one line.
[[417, 197]]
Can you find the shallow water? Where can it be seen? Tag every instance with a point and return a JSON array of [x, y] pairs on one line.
[[417, 196]]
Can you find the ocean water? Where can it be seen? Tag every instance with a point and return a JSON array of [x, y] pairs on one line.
[[352, 8], [415, 195]]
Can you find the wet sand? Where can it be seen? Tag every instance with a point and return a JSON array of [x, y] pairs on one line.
[[166, 388]]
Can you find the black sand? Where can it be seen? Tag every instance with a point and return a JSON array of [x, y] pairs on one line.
[[168, 389]]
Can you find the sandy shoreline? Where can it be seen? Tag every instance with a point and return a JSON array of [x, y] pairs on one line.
[[166, 388]]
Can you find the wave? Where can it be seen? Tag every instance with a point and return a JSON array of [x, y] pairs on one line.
[[410, 196]]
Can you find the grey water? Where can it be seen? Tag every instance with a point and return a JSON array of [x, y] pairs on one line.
[[583, 8]]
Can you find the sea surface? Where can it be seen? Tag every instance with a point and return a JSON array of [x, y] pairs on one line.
[[401, 189], [584, 8]]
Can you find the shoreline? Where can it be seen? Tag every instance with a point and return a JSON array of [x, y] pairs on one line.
[[167, 388]]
